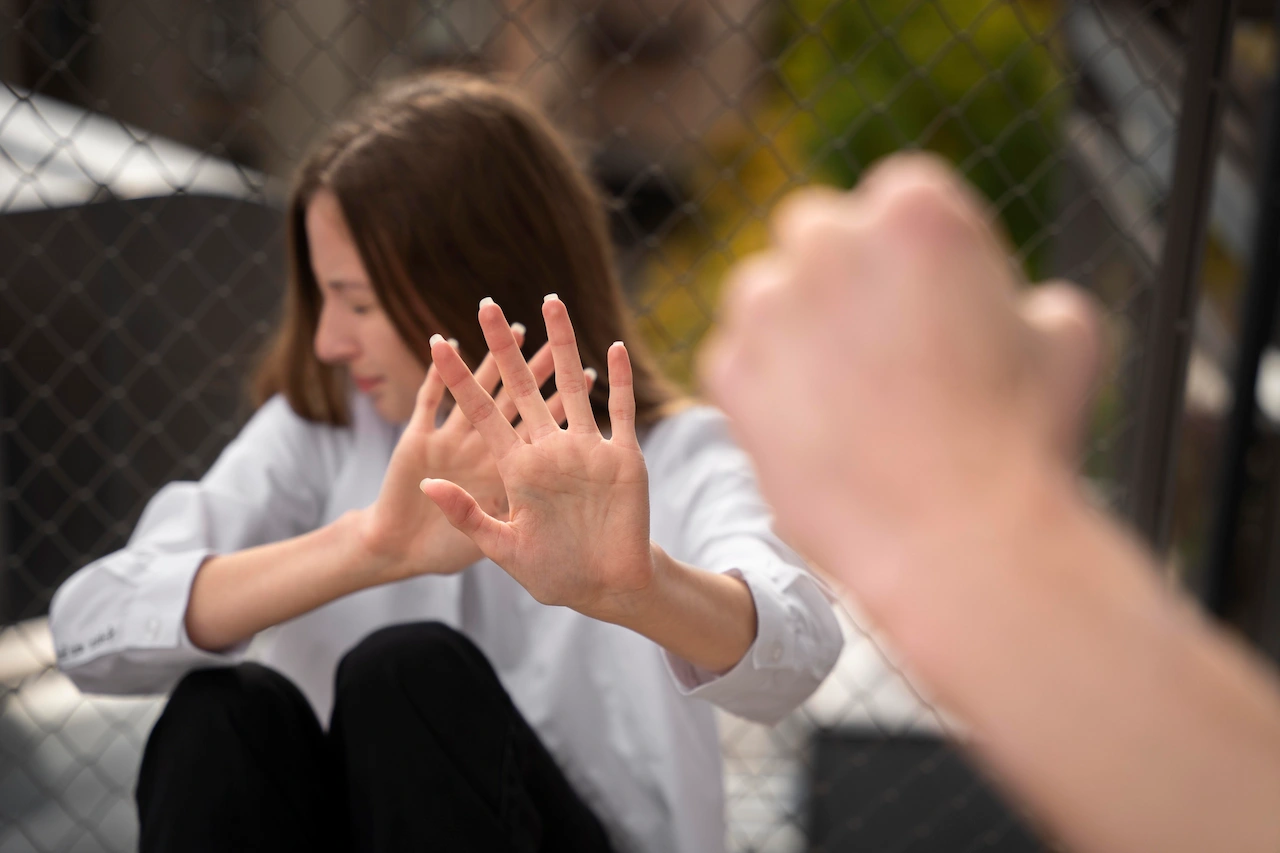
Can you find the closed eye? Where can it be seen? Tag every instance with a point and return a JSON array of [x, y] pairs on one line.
[[354, 294]]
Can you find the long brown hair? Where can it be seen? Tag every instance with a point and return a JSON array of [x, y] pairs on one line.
[[454, 188]]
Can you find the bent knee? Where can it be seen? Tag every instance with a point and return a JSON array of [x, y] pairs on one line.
[[210, 706], [237, 690], [430, 652]]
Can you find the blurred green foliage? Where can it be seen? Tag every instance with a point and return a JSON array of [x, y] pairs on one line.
[[973, 80]]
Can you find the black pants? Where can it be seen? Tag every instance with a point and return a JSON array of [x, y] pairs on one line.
[[425, 751]]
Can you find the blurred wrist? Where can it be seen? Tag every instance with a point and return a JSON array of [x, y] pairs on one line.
[[983, 551], [375, 562], [385, 559]]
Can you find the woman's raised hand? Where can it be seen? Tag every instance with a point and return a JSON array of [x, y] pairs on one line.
[[408, 536], [577, 533]]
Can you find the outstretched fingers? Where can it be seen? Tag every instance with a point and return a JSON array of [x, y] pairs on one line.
[[488, 377], [571, 381], [517, 379], [622, 399], [426, 406], [542, 367], [555, 403], [474, 401]]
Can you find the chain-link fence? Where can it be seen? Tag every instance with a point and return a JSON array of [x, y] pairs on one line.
[[144, 148]]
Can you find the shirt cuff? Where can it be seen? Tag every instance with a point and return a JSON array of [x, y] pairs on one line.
[[151, 627], [772, 650], [161, 617]]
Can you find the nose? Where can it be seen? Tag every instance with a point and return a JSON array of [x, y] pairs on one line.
[[334, 343]]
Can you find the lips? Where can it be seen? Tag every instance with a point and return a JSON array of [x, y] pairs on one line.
[[366, 385]]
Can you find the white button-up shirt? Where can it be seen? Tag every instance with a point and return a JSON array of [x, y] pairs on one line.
[[628, 723]]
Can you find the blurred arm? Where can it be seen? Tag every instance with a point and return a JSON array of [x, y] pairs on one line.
[[913, 418], [1124, 719]]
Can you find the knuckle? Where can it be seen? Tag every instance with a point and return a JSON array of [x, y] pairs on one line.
[[825, 235], [476, 409], [524, 386], [749, 288], [503, 350], [910, 167], [561, 333], [924, 214], [799, 207], [912, 197], [571, 384]]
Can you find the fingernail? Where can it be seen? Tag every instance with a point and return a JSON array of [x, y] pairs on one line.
[[423, 483], [518, 328], [591, 373], [435, 339], [551, 297], [453, 342], [488, 300], [618, 344]]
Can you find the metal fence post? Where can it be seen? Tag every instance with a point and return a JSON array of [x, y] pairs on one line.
[[1257, 325], [1167, 343]]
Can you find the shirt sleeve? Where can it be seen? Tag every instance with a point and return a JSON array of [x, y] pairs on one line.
[[705, 486], [118, 624]]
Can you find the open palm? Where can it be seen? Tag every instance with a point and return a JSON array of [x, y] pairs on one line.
[[578, 528], [412, 533]]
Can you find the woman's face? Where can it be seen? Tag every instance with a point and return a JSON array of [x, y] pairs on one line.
[[353, 329]]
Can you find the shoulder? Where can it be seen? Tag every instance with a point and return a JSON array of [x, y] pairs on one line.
[[276, 430], [695, 440], [691, 427], [277, 416], [363, 415]]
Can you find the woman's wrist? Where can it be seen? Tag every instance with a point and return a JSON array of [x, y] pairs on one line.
[[380, 558], [706, 618], [627, 607], [374, 561]]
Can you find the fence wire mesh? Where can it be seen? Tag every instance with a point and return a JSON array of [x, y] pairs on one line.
[[144, 149]]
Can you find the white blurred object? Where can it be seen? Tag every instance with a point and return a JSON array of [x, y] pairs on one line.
[[54, 155], [1268, 389]]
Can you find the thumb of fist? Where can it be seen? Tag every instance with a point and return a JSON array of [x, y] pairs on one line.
[[1067, 332]]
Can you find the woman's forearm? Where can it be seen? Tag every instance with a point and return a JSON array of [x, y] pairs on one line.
[[705, 618], [236, 595], [1126, 720]]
